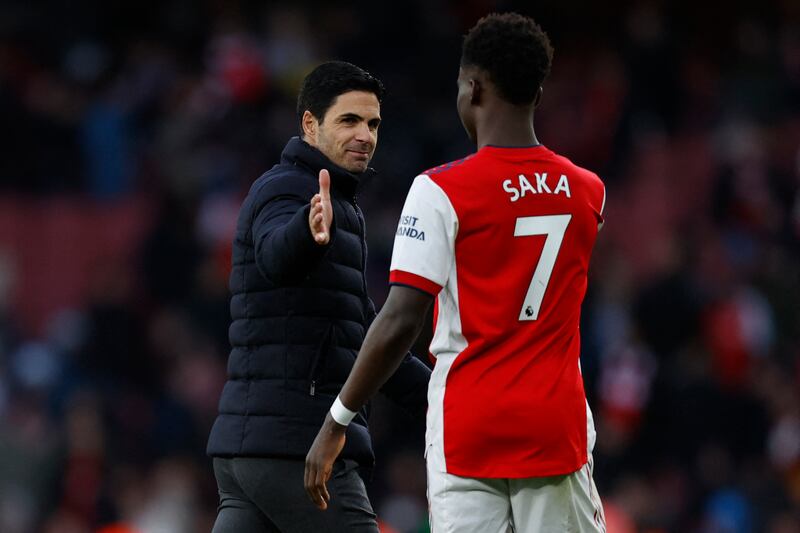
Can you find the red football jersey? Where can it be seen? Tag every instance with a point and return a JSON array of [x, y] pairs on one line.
[[503, 240]]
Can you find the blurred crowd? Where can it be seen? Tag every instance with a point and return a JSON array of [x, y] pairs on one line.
[[131, 132]]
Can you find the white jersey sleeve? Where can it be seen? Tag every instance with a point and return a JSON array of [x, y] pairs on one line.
[[424, 244]]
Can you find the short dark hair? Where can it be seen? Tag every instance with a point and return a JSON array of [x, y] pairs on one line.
[[329, 80], [513, 50]]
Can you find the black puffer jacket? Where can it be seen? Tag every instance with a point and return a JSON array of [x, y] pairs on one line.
[[300, 312]]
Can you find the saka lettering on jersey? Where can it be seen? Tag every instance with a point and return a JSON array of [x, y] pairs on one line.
[[407, 228], [538, 185]]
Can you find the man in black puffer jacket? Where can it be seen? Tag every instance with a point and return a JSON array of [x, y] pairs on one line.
[[300, 311]]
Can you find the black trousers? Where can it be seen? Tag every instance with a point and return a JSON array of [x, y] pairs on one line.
[[266, 495]]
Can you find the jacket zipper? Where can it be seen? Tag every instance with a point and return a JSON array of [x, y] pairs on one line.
[[322, 352], [363, 236], [359, 215]]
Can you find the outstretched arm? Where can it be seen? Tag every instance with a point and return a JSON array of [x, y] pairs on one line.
[[290, 235], [387, 342]]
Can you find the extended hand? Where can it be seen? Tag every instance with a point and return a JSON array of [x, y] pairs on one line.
[[319, 462], [320, 216]]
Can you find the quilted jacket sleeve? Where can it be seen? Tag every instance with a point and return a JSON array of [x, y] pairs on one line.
[[285, 251]]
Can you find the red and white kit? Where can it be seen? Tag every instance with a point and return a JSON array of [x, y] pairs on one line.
[[503, 240]]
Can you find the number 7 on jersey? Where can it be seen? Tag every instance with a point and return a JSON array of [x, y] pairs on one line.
[[554, 226]]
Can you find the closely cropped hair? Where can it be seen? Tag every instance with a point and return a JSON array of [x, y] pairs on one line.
[[513, 50], [326, 82]]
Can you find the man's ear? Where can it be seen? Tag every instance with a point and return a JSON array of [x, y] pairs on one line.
[[475, 91], [310, 126], [538, 98]]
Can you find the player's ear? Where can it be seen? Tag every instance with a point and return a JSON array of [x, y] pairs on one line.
[[475, 91], [538, 98]]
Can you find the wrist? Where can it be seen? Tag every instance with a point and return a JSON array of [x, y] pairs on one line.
[[341, 414]]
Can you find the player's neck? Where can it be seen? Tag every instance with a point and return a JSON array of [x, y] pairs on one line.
[[506, 128]]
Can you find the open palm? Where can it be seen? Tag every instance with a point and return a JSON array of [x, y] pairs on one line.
[[320, 216]]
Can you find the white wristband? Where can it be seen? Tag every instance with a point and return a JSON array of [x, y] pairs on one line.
[[341, 414]]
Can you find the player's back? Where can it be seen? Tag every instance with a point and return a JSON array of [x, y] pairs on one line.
[[527, 222], [507, 390]]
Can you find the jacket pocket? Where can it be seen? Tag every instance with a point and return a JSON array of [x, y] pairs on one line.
[[317, 372]]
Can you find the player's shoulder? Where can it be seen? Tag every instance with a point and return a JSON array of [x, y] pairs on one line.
[[450, 169], [591, 182], [590, 177]]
